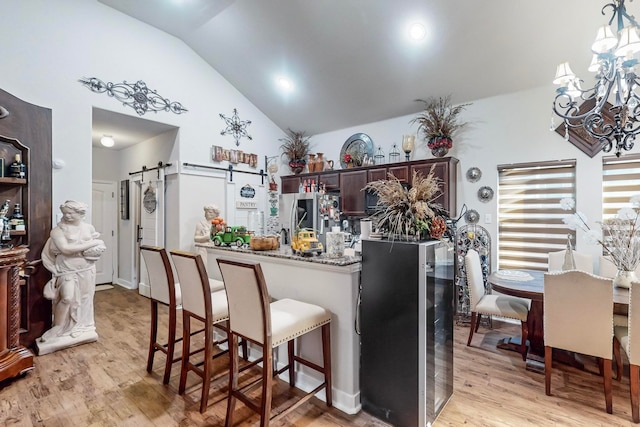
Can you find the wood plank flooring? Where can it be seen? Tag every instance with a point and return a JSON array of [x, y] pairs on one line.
[[106, 384]]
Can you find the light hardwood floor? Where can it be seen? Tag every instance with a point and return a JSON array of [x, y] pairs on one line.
[[106, 384]]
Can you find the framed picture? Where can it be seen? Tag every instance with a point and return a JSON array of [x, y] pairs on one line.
[[579, 137], [124, 199]]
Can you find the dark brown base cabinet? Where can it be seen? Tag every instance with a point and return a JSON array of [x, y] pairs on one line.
[[350, 182], [25, 313]]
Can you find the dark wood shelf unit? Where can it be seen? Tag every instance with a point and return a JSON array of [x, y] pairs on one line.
[[350, 182], [27, 131]]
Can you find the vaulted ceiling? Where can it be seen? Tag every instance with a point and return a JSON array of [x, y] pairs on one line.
[[351, 62]]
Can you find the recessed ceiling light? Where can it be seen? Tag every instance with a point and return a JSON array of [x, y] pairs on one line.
[[417, 31], [284, 83], [107, 141]]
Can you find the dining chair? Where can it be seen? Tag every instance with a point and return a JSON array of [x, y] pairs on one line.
[[578, 317], [630, 344], [609, 270], [584, 262], [493, 304], [210, 308], [268, 325]]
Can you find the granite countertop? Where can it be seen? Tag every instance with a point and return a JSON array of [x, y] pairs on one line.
[[285, 252]]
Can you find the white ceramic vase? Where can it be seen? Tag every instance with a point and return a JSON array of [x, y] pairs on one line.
[[624, 278]]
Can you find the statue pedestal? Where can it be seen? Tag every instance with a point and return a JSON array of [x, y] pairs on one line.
[[65, 341]]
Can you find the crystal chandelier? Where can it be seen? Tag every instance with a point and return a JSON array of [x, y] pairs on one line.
[[616, 81]]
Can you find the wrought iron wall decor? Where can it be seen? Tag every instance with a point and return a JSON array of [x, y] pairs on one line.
[[137, 96], [236, 127], [476, 237]]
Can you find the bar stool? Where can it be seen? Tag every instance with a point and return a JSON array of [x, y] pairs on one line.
[[211, 311], [269, 324], [166, 291]]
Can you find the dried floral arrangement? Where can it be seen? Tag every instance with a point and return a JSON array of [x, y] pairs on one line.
[[295, 145], [439, 119], [409, 213]]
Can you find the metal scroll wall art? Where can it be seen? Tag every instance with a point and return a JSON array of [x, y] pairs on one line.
[[236, 127], [137, 96]]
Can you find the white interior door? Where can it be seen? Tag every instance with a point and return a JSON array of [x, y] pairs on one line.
[[104, 212], [150, 221]]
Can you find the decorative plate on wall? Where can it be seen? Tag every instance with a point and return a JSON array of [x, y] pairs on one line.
[[485, 194], [359, 142], [474, 174], [472, 216]]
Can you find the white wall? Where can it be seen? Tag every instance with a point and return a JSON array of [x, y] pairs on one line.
[[512, 128], [49, 45]]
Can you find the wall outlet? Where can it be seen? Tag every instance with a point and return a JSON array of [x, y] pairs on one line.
[[487, 218]]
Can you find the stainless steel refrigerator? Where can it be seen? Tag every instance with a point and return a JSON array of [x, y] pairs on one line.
[[312, 210], [406, 330]]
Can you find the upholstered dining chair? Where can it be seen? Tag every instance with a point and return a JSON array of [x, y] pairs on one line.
[[210, 308], [628, 337], [578, 317], [267, 324], [609, 270], [165, 290], [493, 304], [584, 262]]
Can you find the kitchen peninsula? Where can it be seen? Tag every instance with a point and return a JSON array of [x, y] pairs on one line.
[[332, 283]]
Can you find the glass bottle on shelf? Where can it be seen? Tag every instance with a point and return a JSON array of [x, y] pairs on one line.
[[394, 154], [17, 169], [17, 219]]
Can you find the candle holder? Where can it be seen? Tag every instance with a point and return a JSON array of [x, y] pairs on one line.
[[408, 144]]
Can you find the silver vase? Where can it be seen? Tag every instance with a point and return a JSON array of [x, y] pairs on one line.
[[624, 278]]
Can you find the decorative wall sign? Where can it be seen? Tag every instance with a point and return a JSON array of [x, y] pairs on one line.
[[149, 200], [219, 154], [246, 204], [247, 191], [137, 96], [236, 127]]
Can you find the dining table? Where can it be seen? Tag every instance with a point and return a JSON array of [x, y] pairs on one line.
[[530, 284]]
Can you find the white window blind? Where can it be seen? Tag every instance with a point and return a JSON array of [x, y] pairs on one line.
[[529, 212], [620, 181]]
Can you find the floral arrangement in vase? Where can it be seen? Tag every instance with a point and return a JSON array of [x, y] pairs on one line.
[[295, 147], [619, 236], [439, 122], [352, 158], [412, 213]]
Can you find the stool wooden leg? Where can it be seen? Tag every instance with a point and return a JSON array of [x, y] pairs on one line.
[[548, 363], [233, 378], [326, 360], [267, 386], [206, 367], [634, 371], [291, 355], [186, 345], [153, 335], [618, 357], [171, 345], [608, 394]]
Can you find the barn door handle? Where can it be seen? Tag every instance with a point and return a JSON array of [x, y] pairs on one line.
[[139, 238]]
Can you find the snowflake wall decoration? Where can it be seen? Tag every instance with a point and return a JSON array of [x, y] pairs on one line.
[[236, 127]]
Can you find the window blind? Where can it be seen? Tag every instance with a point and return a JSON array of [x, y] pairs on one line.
[[529, 212], [620, 181]]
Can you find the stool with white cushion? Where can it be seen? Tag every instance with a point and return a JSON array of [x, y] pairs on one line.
[[267, 324]]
